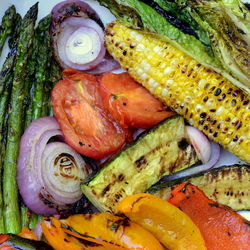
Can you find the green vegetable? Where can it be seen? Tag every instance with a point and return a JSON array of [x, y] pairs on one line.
[[4, 102], [161, 151], [43, 57], [17, 242], [6, 79], [228, 185], [180, 18], [228, 25], [31, 81], [15, 124], [6, 28], [25, 216], [6, 71], [34, 219], [15, 34], [141, 16], [55, 76]]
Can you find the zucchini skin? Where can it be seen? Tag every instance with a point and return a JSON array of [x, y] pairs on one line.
[[228, 185], [20, 243], [159, 152]]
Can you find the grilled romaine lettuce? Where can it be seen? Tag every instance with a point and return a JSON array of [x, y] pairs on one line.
[[161, 151], [215, 33], [228, 185], [228, 25]]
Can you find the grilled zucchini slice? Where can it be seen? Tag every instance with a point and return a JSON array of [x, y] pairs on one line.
[[228, 185], [159, 152]]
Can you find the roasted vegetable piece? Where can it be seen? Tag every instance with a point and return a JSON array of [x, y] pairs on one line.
[[27, 234], [207, 100], [8, 22], [6, 70], [112, 229], [15, 123], [227, 23], [6, 79], [59, 239], [228, 185], [41, 74], [173, 228], [96, 134], [129, 103], [102, 230], [221, 227], [4, 103], [16, 31], [11, 241], [160, 151]]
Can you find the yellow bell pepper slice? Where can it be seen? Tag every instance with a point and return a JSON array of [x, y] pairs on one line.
[[61, 240], [113, 229], [174, 229]]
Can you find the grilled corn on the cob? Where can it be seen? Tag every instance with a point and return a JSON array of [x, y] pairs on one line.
[[206, 99]]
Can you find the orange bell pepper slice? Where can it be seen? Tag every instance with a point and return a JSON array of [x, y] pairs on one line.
[[27, 234], [173, 228], [108, 228], [221, 227], [59, 239]]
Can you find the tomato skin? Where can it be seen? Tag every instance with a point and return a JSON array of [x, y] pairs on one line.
[[130, 103], [86, 126]]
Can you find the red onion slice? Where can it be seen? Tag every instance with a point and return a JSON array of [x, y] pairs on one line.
[[200, 143], [83, 46], [215, 155], [38, 230], [73, 28], [30, 190], [78, 36], [63, 171], [106, 65], [70, 8], [33, 173]]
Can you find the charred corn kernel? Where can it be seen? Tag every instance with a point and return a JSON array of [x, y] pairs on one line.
[[205, 98]]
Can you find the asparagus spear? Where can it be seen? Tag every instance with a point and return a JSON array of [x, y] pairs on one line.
[[42, 60], [4, 101], [30, 81], [10, 60], [7, 69], [25, 216], [34, 218], [6, 78], [29, 88], [41, 45], [8, 21], [55, 76], [10, 190], [16, 31]]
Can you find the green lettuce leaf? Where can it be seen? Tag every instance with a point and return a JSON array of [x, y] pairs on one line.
[[139, 15], [227, 22]]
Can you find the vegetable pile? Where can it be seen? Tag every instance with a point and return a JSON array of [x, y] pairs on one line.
[[77, 138]]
